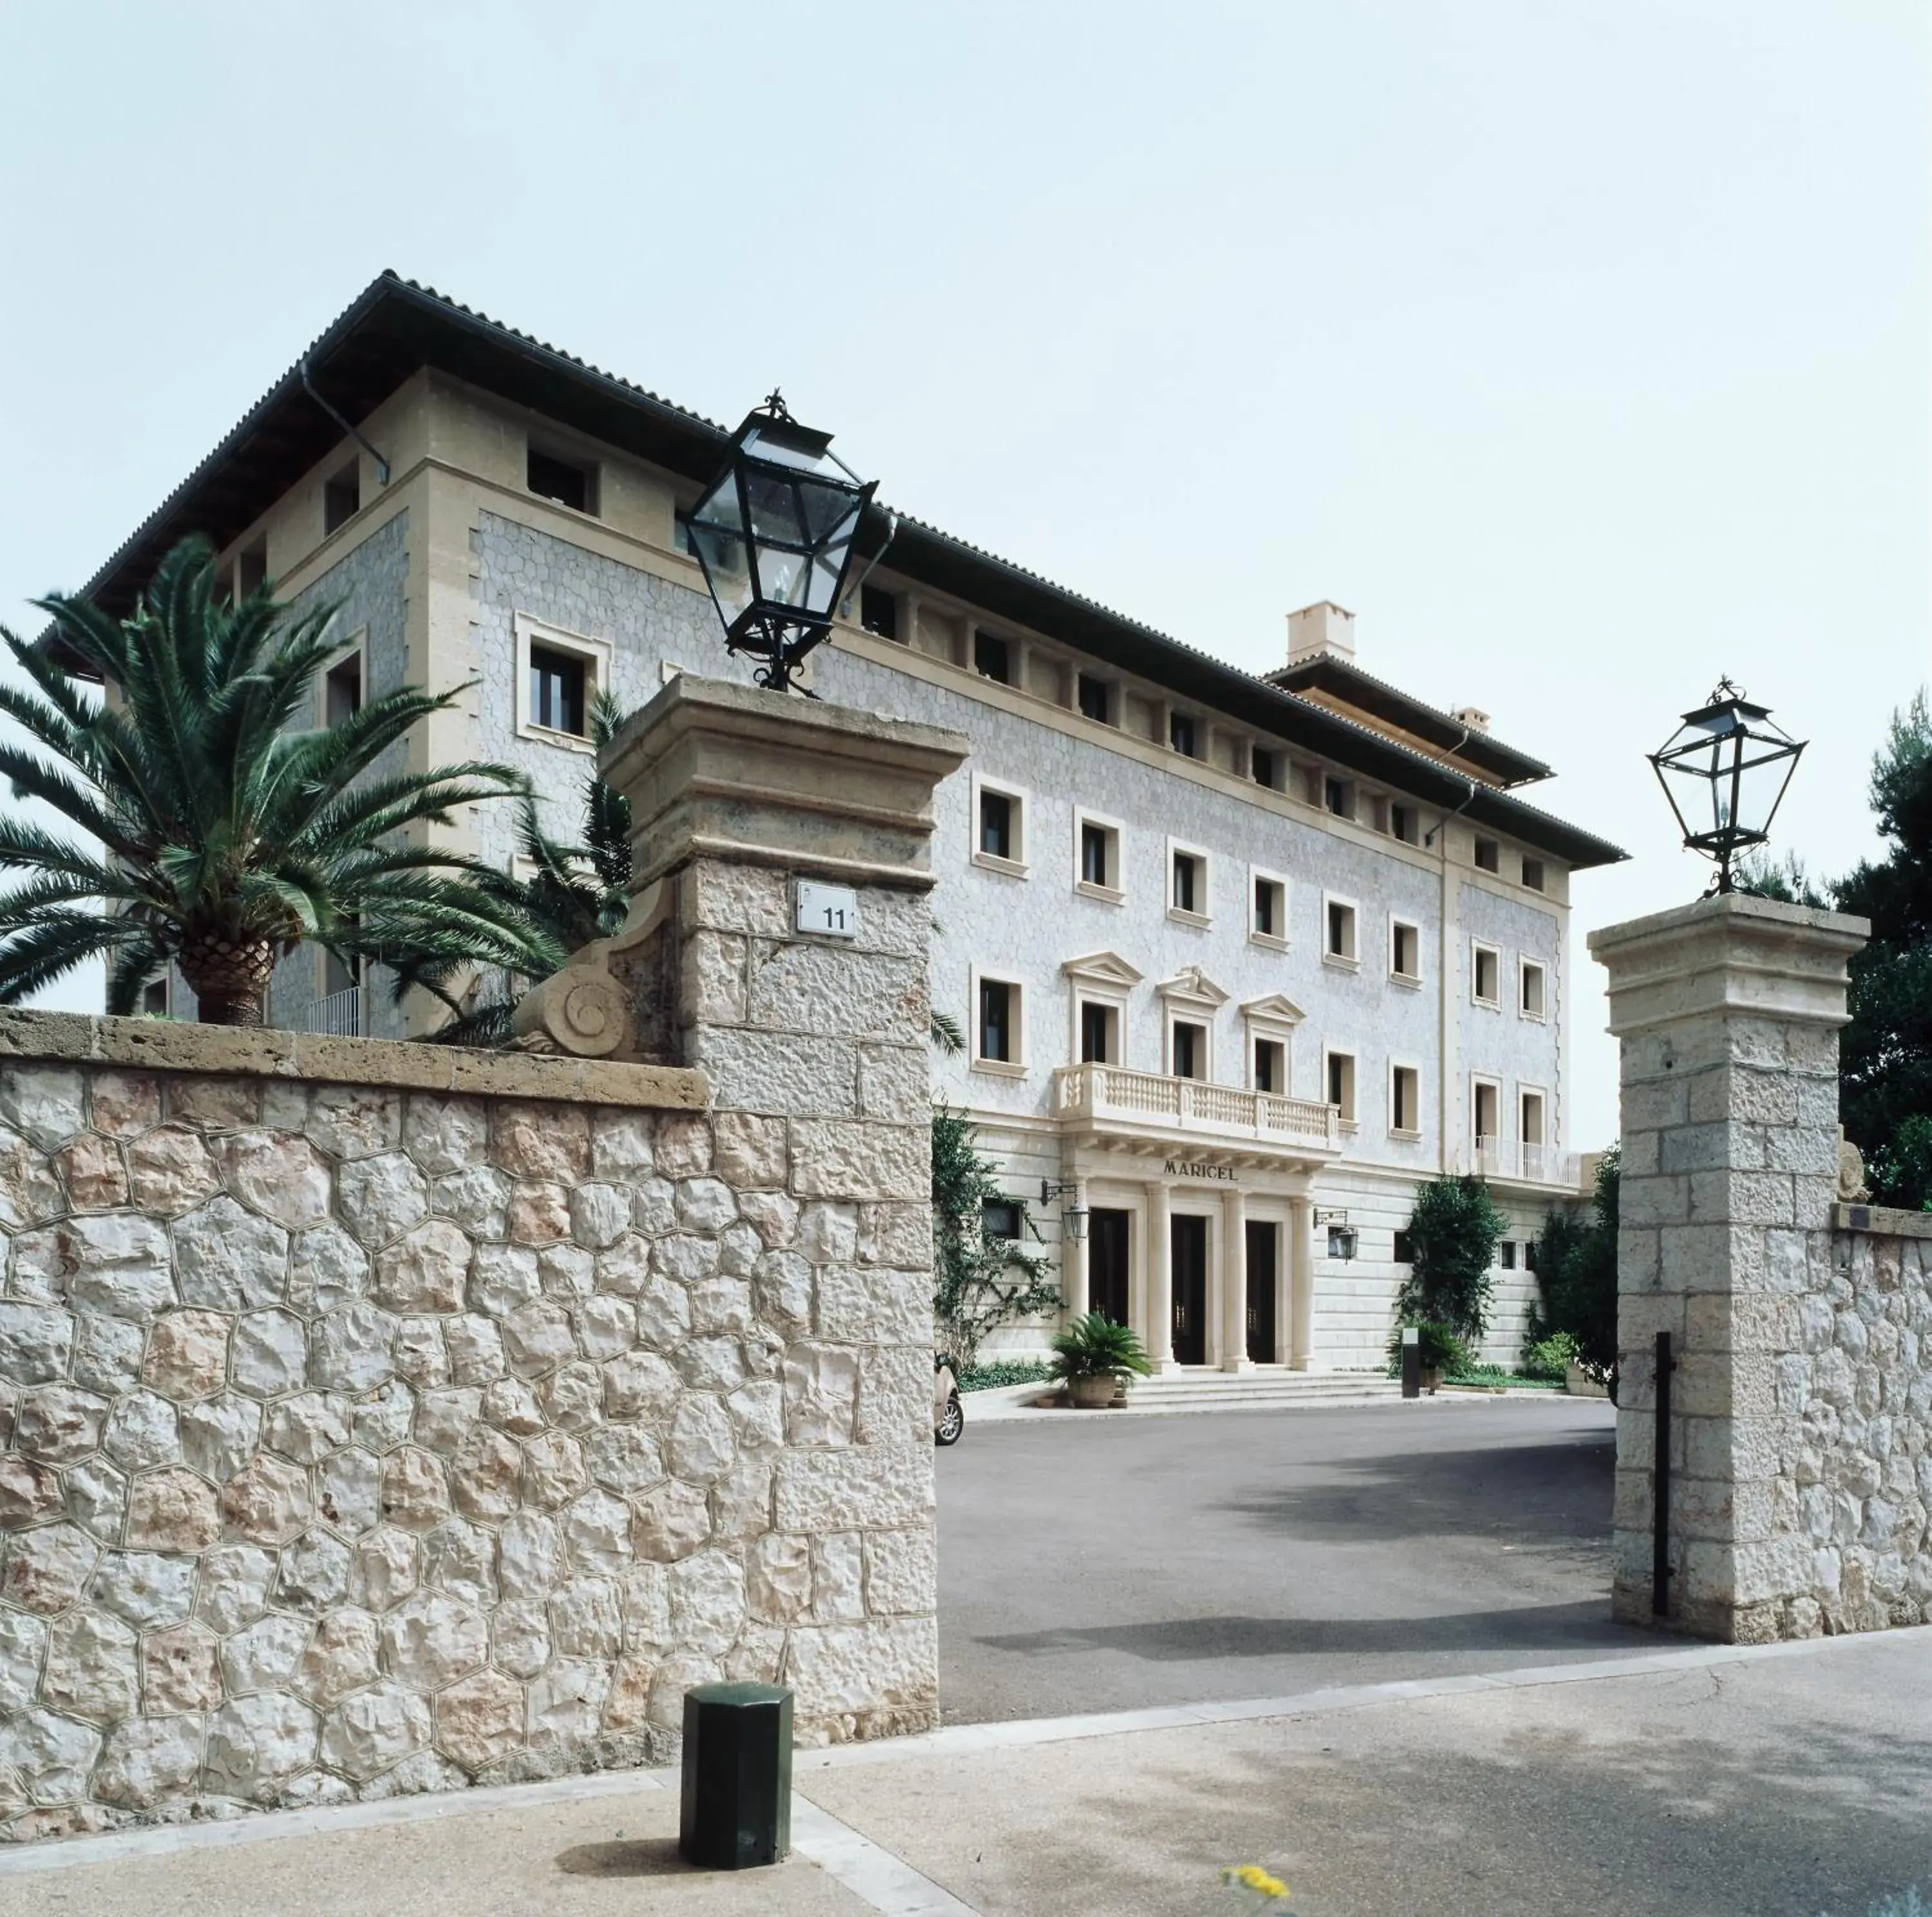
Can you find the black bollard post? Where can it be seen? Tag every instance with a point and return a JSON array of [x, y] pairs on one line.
[[1411, 1361], [736, 1812]]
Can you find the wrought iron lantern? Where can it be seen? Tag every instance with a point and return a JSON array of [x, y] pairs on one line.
[[1073, 1220], [1724, 771], [774, 532]]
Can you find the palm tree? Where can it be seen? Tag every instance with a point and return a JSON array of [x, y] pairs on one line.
[[226, 830], [575, 894]]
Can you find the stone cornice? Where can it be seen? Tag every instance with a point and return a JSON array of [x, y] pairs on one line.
[[148, 1044]]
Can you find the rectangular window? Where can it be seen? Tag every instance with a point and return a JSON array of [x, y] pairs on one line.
[[1484, 1114], [154, 998], [337, 977], [1488, 855], [1533, 988], [1270, 909], [341, 498], [1403, 1251], [999, 1218], [1190, 890], [1530, 1118], [1341, 931], [251, 567], [566, 481], [1338, 796], [1181, 734], [1097, 699], [557, 701], [1487, 965], [1190, 1043], [997, 1002], [1265, 765], [1271, 1066], [879, 611], [1403, 823], [342, 690], [1404, 1099], [992, 658], [996, 824], [1099, 1034], [1096, 860], [1341, 1075], [1405, 950], [1506, 1252], [1532, 874]]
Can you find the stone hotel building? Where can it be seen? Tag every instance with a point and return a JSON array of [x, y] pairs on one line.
[[1238, 961]]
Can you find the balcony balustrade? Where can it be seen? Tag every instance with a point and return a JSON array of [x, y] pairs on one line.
[[1111, 1097]]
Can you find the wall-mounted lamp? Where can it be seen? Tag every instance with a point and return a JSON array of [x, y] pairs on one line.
[[1342, 1235], [1073, 1219]]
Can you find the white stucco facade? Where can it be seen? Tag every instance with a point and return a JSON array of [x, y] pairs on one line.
[[1184, 1179]]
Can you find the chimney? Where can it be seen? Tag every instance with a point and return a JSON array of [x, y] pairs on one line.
[[1323, 629], [1473, 717]]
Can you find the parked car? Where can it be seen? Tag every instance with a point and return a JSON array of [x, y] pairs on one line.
[[949, 1415]]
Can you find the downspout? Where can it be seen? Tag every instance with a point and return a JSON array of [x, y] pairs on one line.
[[308, 386]]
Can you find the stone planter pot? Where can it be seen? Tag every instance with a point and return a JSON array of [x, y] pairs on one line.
[[1091, 1394], [1578, 1386]]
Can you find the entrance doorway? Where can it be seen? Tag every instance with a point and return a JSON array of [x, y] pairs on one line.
[[1107, 1263], [1260, 1291], [1190, 1290]]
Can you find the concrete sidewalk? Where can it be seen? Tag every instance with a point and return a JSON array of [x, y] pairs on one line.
[[1706, 1781]]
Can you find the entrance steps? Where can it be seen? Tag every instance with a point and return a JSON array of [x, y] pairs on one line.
[[1264, 1388]]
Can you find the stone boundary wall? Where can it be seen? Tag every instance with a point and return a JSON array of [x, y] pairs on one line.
[[377, 1418], [1857, 1485]]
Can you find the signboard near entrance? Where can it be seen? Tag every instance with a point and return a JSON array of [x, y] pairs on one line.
[[1192, 1168]]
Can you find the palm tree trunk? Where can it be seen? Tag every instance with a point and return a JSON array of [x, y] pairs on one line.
[[228, 980]]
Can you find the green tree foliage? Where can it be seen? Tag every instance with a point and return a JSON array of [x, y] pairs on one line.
[[219, 829], [1576, 1273], [575, 894], [1453, 1233], [1886, 1053], [979, 1282]]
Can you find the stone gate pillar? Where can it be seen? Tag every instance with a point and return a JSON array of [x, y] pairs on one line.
[[1728, 1011], [779, 942]]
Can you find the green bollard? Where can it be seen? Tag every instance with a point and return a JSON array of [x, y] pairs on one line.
[[737, 1804]]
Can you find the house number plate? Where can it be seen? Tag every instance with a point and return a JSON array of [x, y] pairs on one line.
[[830, 911]]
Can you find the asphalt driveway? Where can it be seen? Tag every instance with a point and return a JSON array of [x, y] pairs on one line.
[[1104, 1564]]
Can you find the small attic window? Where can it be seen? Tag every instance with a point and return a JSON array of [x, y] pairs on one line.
[[568, 481], [341, 498], [251, 567]]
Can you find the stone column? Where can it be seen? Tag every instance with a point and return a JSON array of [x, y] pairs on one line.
[[779, 940], [1728, 1011], [1299, 1317], [1073, 1293], [1233, 1264], [1159, 1278]]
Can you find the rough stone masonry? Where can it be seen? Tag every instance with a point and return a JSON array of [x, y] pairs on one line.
[[1801, 1401], [379, 1418]]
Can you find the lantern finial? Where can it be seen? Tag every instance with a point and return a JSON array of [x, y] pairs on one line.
[[1724, 771]]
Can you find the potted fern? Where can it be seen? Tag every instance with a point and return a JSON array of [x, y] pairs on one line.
[[1094, 1356]]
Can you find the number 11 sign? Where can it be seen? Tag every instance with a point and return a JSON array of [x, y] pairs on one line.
[[832, 912]]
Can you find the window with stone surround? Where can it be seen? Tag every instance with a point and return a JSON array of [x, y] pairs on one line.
[[1405, 1114], [341, 497], [999, 827], [1187, 895], [1404, 952], [1338, 1074], [1486, 972], [1095, 698], [998, 1035], [1339, 920], [559, 676], [1530, 998], [1267, 922], [1098, 871]]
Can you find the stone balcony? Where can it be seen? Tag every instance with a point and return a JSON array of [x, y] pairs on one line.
[[1509, 1163], [1108, 1101]]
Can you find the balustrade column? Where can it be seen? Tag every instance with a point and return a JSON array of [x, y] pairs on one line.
[[1233, 1279], [1160, 1279], [1301, 1280]]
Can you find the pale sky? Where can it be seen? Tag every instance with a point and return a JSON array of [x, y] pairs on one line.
[[1579, 346]]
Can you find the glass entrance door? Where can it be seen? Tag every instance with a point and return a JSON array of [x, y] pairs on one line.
[[1107, 1263], [1261, 1253], [1190, 1290]]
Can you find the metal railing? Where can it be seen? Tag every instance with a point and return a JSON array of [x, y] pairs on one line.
[[338, 1016], [1103, 1092]]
